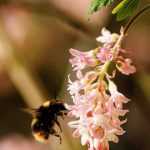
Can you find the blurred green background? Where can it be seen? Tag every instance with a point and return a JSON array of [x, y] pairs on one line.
[[35, 36]]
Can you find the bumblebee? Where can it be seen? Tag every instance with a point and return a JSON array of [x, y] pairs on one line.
[[45, 118]]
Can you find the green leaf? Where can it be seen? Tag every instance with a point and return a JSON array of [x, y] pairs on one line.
[[119, 6], [98, 4], [125, 9]]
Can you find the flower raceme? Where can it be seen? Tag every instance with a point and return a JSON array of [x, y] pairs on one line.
[[97, 103]]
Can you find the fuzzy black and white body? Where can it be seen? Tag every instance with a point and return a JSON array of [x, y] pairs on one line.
[[45, 118]]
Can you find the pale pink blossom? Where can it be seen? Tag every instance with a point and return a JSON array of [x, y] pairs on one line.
[[98, 118], [115, 95], [107, 37], [74, 87], [126, 67], [81, 60], [104, 54]]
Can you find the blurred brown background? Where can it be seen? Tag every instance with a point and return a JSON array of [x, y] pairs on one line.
[[35, 36]]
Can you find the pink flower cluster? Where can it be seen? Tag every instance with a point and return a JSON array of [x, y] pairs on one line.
[[97, 104]]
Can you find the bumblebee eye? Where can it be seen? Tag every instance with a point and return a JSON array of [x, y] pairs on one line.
[[41, 124]]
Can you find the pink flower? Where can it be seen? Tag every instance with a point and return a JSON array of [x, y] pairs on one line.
[[104, 54], [82, 59], [107, 37], [74, 87], [97, 115], [126, 67]]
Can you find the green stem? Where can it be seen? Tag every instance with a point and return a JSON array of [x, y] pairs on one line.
[[114, 50], [104, 70], [126, 28]]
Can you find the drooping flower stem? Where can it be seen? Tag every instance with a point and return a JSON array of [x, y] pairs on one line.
[[104, 70], [114, 50], [118, 43], [126, 28]]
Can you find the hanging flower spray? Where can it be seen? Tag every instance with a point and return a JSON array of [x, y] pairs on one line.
[[97, 102]]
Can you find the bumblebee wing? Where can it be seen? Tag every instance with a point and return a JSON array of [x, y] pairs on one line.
[[29, 111]]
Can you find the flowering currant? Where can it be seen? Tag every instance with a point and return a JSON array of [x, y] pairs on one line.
[[97, 103]]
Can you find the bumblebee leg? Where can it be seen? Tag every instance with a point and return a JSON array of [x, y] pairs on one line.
[[57, 135], [58, 124], [53, 132]]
